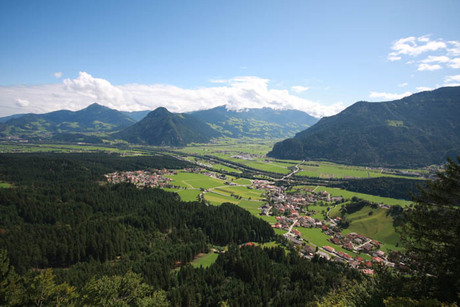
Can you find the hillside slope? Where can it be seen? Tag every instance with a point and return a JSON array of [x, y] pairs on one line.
[[258, 123], [163, 128], [421, 129], [94, 118]]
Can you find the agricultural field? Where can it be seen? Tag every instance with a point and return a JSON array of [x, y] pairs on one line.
[[242, 192], [205, 260], [195, 181], [378, 226], [332, 170], [372, 198], [186, 194], [220, 167], [66, 148], [4, 185]]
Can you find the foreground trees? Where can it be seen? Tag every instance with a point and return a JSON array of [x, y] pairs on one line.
[[432, 233]]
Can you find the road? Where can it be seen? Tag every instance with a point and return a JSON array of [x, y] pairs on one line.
[[296, 170]]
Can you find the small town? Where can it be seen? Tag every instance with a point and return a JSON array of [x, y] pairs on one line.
[[290, 211]]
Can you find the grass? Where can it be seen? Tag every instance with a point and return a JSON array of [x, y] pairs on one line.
[[205, 261], [187, 194], [195, 181], [332, 170], [372, 198], [5, 185], [378, 226], [244, 192], [220, 167]]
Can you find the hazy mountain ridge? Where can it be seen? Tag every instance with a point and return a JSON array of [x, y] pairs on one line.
[[258, 123], [420, 129], [94, 118]]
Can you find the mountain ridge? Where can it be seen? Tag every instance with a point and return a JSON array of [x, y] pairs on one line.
[[420, 129]]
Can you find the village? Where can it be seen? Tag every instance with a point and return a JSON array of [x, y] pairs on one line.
[[143, 178], [291, 210]]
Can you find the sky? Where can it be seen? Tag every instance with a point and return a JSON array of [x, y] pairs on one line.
[[314, 56]]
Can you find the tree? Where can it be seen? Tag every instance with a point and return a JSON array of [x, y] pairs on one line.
[[432, 235]]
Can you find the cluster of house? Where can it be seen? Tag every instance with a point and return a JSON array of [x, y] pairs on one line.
[[284, 222], [291, 205], [143, 179]]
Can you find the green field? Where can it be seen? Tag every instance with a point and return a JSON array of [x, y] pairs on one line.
[[332, 170], [244, 192], [196, 181], [273, 167], [187, 194], [378, 226], [220, 167], [318, 209], [372, 198], [4, 184], [206, 260]]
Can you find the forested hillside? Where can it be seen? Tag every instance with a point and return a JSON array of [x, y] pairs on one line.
[[418, 130]]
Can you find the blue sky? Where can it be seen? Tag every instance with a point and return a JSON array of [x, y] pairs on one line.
[[188, 55]]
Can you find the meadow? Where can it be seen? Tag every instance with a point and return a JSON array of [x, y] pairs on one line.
[[372, 198], [195, 181], [205, 260], [377, 225], [332, 170]]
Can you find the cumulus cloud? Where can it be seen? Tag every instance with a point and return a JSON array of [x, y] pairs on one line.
[[443, 53], [388, 96], [22, 102], [450, 79], [299, 88], [58, 74], [236, 93], [413, 46], [454, 63], [424, 88], [436, 59], [429, 67]]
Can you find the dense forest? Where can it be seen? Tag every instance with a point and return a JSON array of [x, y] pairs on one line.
[[69, 238]]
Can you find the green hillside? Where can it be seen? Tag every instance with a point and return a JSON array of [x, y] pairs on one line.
[[256, 123], [377, 225], [418, 130], [163, 128]]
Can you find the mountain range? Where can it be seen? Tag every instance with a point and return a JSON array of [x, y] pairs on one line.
[[421, 129], [256, 123], [93, 119], [158, 127]]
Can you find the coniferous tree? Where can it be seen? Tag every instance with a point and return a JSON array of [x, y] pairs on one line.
[[432, 235]]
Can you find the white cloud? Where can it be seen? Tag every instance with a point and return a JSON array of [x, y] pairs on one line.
[[413, 46], [429, 67], [236, 93], [403, 84], [436, 59], [454, 48], [454, 63], [424, 88], [388, 96], [299, 88], [22, 102], [58, 74], [450, 79]]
